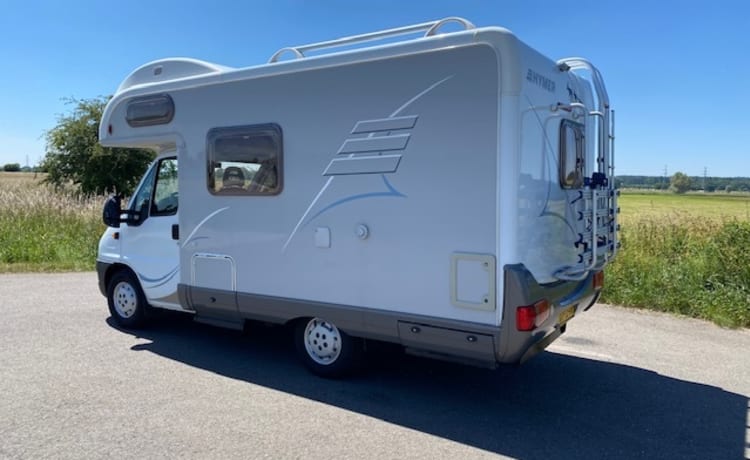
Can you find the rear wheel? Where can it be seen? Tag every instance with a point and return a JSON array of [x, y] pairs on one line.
[[127, 303], [324, 349]]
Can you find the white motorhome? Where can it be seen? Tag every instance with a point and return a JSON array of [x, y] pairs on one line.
[[451, 192]]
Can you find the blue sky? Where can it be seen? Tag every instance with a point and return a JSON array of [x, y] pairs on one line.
[[678, 72]]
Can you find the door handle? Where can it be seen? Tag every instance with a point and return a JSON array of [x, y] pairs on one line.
[[175, 232]]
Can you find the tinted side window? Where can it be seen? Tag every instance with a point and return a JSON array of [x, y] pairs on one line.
[[245, 160], [571, 154]]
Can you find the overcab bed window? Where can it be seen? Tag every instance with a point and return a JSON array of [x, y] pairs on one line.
[[245, 160], [150, 111]]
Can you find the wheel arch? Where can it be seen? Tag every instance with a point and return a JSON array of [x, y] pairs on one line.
[[115, 268]]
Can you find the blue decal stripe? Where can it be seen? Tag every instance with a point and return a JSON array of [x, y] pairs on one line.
[[156, 280], [165, 281], [392, 192], [392, 188]]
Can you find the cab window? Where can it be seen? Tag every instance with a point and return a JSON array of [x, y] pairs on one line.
[[141, 201], [157, 193], [165, 193]]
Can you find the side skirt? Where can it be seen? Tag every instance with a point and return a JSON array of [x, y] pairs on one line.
[[466, 342]]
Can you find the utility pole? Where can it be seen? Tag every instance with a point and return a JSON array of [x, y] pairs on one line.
[[705, 173]]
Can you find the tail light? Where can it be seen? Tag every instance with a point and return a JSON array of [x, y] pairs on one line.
[[530, 317], [598, 280]]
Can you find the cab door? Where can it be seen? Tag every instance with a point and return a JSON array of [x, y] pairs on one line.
[[148, 246]]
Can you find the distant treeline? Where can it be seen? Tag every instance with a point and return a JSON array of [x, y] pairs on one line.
[[16, 167], [712, 184]]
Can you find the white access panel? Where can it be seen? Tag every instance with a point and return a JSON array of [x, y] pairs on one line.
[[473, 281], [215, 271]]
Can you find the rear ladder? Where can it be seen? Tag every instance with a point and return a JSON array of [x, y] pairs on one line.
[[597, 203]]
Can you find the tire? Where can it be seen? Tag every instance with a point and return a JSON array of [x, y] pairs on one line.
[[127, 303], [325, 350]]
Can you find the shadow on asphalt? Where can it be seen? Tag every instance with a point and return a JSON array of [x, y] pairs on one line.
[[555, 406]]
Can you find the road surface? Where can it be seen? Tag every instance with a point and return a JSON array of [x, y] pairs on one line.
[[620, 384]]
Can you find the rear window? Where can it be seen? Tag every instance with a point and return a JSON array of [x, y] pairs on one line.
[[571, 154]]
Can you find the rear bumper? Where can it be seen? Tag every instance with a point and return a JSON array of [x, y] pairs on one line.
[[522, 289]]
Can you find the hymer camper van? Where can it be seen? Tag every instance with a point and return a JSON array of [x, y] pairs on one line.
[[451, 192]]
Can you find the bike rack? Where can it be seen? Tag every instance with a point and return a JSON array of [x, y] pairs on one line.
[[591, 196]]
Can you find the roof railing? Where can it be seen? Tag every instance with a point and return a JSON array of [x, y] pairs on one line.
[[432, 28]]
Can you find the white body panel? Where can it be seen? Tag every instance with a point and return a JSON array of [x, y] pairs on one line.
[[440, 200], [401, 164], [149, 251]]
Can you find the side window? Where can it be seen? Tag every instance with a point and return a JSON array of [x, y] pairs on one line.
[[165, 195], [140, 202], [571, 154], [245, 160]]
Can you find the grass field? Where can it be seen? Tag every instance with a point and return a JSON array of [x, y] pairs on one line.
[[712, 206], [45, 230], [686, 254]]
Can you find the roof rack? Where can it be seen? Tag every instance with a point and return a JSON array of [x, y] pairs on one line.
[[431, 28]]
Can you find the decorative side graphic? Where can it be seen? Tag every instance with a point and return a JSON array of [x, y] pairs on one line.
[[156, 282], [190, 238], [378, 153], [366, 154], [167, 279]]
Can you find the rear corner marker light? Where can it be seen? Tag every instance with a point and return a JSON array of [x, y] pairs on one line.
[[598, 280], [529, 317], [542, 312]]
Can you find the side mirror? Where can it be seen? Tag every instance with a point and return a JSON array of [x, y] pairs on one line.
[[136, 217], [112, 211]]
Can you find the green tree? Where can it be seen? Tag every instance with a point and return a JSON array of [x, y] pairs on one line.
[[680, 183], [12, 167], [74, 154]]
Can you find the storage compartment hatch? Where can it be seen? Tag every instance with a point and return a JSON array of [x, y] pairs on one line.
[[473, 281]]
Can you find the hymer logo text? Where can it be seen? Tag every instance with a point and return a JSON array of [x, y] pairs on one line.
[[540, 80]]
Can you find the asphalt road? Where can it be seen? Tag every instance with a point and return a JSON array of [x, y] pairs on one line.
[[619, 384]]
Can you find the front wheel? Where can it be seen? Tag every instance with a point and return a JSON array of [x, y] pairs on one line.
[[127, 303], [324, 349]]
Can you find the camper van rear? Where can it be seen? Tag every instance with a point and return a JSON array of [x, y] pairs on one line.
[[449, 192]]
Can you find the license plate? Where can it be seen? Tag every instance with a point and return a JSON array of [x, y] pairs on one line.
[[566, 314]]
